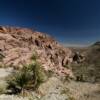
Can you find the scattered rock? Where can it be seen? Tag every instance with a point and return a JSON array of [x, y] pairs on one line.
[[78, 57]]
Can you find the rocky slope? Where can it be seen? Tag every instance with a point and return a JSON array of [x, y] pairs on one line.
[[89, 68], [17, 46]]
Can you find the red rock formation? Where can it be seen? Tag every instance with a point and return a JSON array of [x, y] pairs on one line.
[[18, 45]]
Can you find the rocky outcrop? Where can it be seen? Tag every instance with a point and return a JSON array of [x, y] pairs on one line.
[[78, 57], [17, 46]]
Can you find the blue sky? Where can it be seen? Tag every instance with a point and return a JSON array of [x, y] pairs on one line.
[[69, 21]]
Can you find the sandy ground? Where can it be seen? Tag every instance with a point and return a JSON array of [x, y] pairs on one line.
[[54, 89], [84, 91], [5, 72]]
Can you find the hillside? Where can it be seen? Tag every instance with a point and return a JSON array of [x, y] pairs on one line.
[[34, 66], [90, 67], [27, 59], [18, 45]]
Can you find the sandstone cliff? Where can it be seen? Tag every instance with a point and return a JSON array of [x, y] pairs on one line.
[[17, 46]]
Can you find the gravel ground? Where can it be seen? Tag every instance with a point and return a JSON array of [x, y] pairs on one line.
[[84, 90], [5, 72], [54, 89]]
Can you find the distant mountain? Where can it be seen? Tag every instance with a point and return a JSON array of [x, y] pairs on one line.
[[97, 43]]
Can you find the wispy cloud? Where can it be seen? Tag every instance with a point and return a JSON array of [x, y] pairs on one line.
[[74, 45]]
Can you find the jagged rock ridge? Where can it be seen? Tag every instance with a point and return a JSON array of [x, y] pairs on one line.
[[18, 44]]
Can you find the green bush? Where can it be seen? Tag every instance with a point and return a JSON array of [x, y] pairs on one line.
[[2, 89], [34, 56], [38, 73], [18, 81], [1, 56], [28, 78]]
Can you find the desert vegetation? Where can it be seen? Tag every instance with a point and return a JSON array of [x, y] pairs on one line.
[[27, 78], [89, 69], [34, 63]]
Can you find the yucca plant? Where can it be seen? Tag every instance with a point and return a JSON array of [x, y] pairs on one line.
[[29, 77], [34, 56], [37, 73], [19, 81]]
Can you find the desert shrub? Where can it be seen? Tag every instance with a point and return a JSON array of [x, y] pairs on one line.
[[28, 78], [1, 56], [49, 73], [37, 73], [66, 66], [34, 56], [2, 89], [18, 81], [65, 91], [71, 98]]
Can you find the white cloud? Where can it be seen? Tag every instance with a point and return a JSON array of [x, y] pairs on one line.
[[74, 45]]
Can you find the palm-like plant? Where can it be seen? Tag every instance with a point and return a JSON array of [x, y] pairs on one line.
[[29, 77], [19, 81]]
